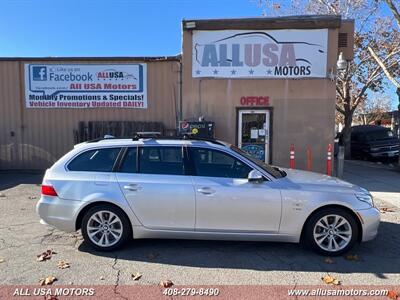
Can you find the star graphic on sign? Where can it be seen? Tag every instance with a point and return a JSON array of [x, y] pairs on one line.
[[251, 71], [269, 72], [215, 72], [233, 72], [198, 72]]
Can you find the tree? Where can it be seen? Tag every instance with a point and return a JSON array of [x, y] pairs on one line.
[[363, 74], [394, 10], [391, 72], [373, 109]]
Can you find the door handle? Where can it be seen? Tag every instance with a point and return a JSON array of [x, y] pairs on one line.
[[206, 190], [132, 187]]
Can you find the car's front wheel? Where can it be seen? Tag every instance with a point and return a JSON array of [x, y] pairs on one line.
[[331, 231], [105, 227]]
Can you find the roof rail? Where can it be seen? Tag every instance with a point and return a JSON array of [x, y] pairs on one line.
[[159, 136], [187, 137], [146, 134], [106, 137]]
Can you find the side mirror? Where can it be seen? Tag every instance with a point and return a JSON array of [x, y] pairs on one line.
[[255, 176]]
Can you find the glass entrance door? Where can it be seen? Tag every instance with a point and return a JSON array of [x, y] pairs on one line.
[[253, 133]]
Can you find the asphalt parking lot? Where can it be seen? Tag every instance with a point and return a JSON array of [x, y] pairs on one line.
[[188, 262]]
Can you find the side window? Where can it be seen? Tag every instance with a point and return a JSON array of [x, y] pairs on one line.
[[129, 164], [161, 160], [98, 160], [214, 163]]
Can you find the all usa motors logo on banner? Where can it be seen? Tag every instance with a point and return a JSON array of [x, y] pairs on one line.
[[262, 53], [85, 86]]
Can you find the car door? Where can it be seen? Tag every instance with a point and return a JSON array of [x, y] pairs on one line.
[[226, 200], [154, 183], [355, 144]]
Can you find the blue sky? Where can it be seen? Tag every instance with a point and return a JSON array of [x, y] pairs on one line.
[[105, 28], [30, 28]]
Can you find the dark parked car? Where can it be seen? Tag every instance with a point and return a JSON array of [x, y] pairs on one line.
[[371, 141]]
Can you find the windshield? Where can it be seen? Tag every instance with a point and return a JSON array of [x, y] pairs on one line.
[[378, 135], [274, 171]]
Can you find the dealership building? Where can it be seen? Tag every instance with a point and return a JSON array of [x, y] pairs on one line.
[[262, 84]]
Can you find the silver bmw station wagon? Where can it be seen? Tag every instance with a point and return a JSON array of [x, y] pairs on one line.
[[151, 187]]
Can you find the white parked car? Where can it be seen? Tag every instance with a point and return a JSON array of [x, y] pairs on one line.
[[118, 189]]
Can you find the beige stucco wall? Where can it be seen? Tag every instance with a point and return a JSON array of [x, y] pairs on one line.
[[302, 109], [44, 135]]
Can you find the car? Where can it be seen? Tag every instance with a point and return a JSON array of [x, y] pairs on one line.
[[373, 142], [114, 190]]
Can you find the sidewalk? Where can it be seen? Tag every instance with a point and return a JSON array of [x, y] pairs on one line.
[[382, 181]]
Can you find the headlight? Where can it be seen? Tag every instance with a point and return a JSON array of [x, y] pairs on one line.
[[367, 198]]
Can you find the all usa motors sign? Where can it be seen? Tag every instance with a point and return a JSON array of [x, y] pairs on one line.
[[85, 86], [261, 53]]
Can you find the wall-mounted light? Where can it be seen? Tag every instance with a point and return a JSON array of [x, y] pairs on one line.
[[190, 25], [341, 63]]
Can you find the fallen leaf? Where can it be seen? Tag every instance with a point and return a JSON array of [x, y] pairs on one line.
[[328, 279], [386, 209], [102, 278], [63, 264], [152, 256], [48, 280], [45, 255], [392, 295], [32, 197], [2, 260], [136, 276], [329, 260], [2, 195], [352, 257], [166, 283]]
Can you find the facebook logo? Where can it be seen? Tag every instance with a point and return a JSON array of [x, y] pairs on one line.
[[39, 73]]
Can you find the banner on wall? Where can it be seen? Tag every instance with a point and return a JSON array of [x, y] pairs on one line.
[[289, 53], [85, 85]]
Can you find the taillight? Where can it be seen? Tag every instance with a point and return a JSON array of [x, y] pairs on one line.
[[48, 190]]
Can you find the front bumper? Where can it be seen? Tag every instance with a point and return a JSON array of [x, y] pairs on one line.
[[58, 213], [370, 220]]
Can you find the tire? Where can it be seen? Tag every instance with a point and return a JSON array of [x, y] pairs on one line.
[[344, 236], [106, 227]]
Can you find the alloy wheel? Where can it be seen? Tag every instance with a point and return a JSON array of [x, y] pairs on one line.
[[332, 233], [104, 228]]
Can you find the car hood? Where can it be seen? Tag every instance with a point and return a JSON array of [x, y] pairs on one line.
[[320, 182]]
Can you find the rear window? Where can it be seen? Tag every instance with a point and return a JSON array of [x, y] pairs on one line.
[[98, 160]]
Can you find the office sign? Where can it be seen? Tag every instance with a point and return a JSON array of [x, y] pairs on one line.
[[254, 100], [288, 53], [85, 86]]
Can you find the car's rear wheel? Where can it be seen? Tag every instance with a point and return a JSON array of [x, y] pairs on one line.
[[332, 231], [105, 227]]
